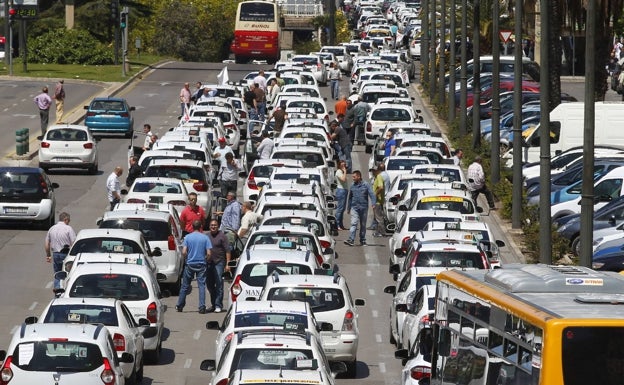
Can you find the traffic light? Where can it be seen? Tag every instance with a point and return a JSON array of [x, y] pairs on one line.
[[115, 9], [123, 19], [12, 14]]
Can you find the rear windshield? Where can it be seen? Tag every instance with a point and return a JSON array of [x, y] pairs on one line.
[[263, 358], [255, 274], [313, 224], [309, 160], [320, 299], [458, 204], [306, 240], [119, 286], [187, 174], [418, 223], [451, 259], [391, 115], [66, 135], [305, 135], [289, 206], [373, 96], [156, 187], [318, 107], [269, 319], [151, 230], [294, 177], [306, 60], [425, 143], [403, 164], [18, 185], [105, 245], [453, 175], [108, 105], [335, 51], [94, 314], [262, 171], [57, 356]]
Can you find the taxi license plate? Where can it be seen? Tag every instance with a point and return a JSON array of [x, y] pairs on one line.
[[15, 210]]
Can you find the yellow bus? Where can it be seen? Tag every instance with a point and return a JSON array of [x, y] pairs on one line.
[[529, 325]]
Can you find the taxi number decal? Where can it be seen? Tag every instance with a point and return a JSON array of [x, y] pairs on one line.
[[442, 199]]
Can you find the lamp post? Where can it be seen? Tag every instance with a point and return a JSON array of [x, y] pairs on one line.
[[432, 50], [452, 66], [476, 84], [516, 192], [495, 153], [463, 78], [442, 64], [424, 47]]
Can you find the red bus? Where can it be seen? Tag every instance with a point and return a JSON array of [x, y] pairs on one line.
[[256, 31]]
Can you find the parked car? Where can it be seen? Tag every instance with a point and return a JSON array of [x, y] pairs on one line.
[[110, 116], [68, 146]]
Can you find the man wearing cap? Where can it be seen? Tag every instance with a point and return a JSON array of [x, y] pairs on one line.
[[219, 152], [59, 98], [476, 182]]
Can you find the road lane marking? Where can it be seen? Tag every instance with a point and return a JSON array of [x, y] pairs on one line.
[[14, 329], [187, 363], [33, 306], [197, 334], [49, 285], [371, 292], [375, 313], [382, 367], [371, 257], [378, 338], [369, 273]]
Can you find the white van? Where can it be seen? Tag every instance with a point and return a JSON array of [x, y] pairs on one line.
[[567, 128]]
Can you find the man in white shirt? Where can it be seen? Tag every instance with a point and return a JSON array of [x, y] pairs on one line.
[[113, 187], [265, 148], [476, 182], [261, 80]]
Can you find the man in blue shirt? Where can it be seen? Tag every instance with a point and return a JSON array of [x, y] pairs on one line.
[[230, 221], [357, 205], [389, 144], [196, 249]]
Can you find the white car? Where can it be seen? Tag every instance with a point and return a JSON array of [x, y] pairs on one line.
[[419, 314], [305, 372], [161, 228], [260, 172], [264, 315], [77, 354], [260, 261], [158, 190], [417, 360], [134, 284], [314, 64], [128, 334], [402, 164], [191, 172], [303, 101], [314, 220], [345, 61], [403, 293], [382, 114], [68, 146], [331, 302]]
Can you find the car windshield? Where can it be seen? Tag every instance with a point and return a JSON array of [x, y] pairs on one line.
[[450, 203], [294, 177], [451, 259], [187, 174], [320, 299], [255, 274], [20, 184], [391, 115], [289, 206], [105, 245], [305, 135], [110, 285], [306, 240], [306, 60], [313, 224], [156, 187], [249, 319], [81, 312], [108, 105], [66, 135], [317, 106], [151, 230], [57, 356], [268, 358], [395, 164]]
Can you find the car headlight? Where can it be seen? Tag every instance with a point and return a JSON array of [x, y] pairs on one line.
[[597, 265]]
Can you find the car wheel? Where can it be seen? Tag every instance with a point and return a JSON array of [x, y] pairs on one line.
[[153, 356], [351, 369], [368, 149], [93, 170], [576, 246]]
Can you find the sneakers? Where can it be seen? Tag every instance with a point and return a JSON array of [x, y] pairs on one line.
[[348, 242], [377, 235], [202, 310], [210, 309], [363, 243], [179, 308], [372, 227], [217, 309]]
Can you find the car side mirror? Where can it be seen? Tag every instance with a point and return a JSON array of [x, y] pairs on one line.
[[213, 325], [208, 365], [31, 320], [390, 290], [156, 252], [149, 332]]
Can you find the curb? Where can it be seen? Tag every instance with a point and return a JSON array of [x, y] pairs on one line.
[[77, 114]]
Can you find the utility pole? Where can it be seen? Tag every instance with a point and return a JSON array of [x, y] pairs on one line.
[[123, 24]]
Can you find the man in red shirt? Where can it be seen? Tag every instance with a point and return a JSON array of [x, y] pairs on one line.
[[191, 213]]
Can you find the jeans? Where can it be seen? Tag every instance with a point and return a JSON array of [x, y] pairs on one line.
[[214, 282], [358, 216], [44, 115], [57, 265], [485, 191], [182, 105], [261, 110], [193, 271], [341, 198], [228, 185], [347, 156], [379, 218], [335, 89]]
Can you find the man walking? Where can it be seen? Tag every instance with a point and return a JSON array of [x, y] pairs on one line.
[[43, 102], [357, 205], [196, 250], [57, 242], [59, 98], [217, 263], [476, 182], [185, 99], [230, 217], [379, 190], [229, 174], [113, 187], [341, 193]]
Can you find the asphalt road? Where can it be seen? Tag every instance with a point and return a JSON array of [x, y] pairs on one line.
[[26, 278]]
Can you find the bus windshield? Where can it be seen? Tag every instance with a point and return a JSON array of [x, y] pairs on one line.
[[257, 12]]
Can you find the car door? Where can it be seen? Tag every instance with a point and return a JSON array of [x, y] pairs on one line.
[[403, 290], [135, 346]]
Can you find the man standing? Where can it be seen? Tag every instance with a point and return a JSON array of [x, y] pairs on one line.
[[389, 144], [259, 101], [341, 105], [134, 171], [335, 76], [229, 174], [230, 216], [249, 220], [59, 98], [57, 242], [361, 110], [357, 205], [192, 213], [476, 182], [379, 189], [223, 149], [341, 193], [260, 81], [457, 157], [43, 102], [217, 263], [280, 117], [196, 250], [113, 187], [147, 143], [265, 148], [185, 99], [249, 99]]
